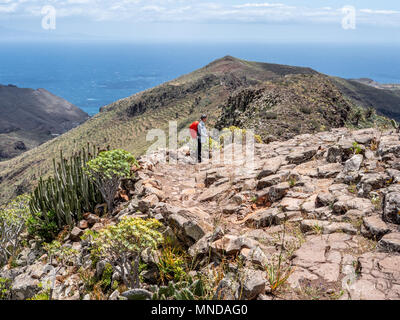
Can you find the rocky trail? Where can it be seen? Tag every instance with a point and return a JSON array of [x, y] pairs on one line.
[[336, 193], [314, 217]]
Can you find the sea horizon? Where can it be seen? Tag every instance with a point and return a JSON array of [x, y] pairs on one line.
[[92, 75]]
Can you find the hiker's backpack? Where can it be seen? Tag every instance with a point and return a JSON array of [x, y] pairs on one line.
[[193, 129]]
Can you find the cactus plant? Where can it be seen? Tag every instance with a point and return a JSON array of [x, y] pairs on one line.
[[69, 193], [183, 290], [395, 125]]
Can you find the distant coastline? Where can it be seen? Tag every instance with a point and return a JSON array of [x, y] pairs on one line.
[[95, 75]]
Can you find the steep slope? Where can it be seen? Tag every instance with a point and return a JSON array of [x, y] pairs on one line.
[[30, 117], [385, 101], [296, 104], [125, 123]]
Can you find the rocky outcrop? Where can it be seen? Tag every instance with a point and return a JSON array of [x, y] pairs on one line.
[[334, 238], [297, 104], [340, 198]]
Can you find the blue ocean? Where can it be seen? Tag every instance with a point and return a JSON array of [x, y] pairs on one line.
[[96, 74]]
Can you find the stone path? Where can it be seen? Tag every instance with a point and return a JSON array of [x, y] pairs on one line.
[[318, 212], [330, 200]]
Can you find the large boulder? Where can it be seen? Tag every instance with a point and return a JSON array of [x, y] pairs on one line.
[[24, 287], [301, 157], [341, 152], [277, 192], [188, 231], [391, 207], [252, 284], [137, 294], [354, 163], [263, 218], [372, 181], [375, 227], [390, 242], [271, 166]]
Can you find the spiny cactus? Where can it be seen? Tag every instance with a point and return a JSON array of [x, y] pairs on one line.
[[69, 193], [395, 125], [183, 290]]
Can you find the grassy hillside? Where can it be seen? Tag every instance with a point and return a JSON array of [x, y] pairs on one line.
[[125, 123]]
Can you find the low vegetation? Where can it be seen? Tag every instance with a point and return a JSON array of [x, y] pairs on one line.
[[106, 171], [5, 285], [122, 244], [13, 217]]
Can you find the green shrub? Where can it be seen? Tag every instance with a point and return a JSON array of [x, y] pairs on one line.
[[5, 285], [44, 294], [107, 169], [13, 218], [106, 278], [172, 264], [45, 230], [63, 254], [356, 149], [121, 245], [183, 290]]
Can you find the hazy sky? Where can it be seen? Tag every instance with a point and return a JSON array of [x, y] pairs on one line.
[[197, 20]]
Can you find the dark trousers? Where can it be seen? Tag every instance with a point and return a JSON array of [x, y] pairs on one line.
[[199, 149]]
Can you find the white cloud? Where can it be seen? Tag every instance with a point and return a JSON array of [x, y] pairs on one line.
[[379, 11], [260, 5], [7, 7], [195, 11], [153, 8]]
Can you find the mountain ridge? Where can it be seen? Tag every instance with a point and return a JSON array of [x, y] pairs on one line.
[[126, 122]]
